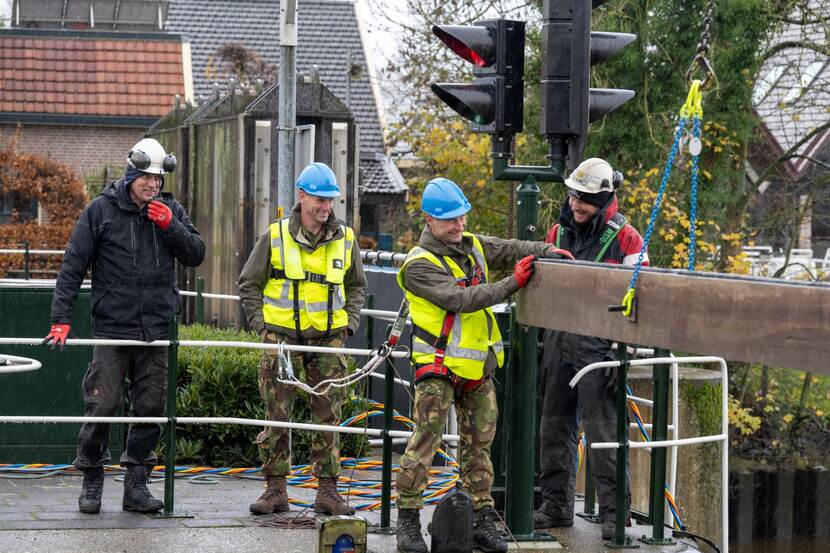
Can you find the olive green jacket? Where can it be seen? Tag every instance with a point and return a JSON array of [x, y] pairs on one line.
[[425, 279], [257, 271]]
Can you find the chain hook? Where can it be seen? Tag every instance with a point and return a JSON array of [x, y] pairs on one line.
[[701, 63]]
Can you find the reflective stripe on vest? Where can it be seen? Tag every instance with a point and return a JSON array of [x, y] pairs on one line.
[[310, 309], [472, 335]]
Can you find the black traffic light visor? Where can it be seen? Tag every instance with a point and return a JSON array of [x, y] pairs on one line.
[[475, 101], [474, 43]]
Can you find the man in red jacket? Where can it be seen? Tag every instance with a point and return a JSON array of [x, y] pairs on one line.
[[592, 229]]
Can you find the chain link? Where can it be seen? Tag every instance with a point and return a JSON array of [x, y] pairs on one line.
[[705, 35]]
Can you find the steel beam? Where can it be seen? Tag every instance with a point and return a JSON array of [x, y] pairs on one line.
[[754, 320]]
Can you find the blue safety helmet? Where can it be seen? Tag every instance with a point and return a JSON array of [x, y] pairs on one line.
[[318, 180], [443, 199]]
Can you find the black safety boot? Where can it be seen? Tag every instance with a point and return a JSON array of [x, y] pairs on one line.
[[609, 526], [543, 519], [485, 534], [410, 539], [90, 500], [136, 495]]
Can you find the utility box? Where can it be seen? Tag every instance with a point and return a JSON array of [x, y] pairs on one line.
[[54, 389], [341, 534]]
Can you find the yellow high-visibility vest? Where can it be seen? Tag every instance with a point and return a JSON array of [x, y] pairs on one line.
[[306, 288], [471, 336]]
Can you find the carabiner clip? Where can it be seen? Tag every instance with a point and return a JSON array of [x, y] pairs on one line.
[[700, 62], [285, 369]]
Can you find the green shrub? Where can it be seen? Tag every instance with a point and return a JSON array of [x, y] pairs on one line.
[[222, 382]]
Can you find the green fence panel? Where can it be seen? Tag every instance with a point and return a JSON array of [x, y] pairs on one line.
[[54, 389]]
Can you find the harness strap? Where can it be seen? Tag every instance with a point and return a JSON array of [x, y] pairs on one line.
[[330, 319], [609, 233], [296, 284], [316, 278]]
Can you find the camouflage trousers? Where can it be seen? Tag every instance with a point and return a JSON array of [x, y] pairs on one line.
[[275, 443], [477, 412]]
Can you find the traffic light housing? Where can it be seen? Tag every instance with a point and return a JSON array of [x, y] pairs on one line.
[[569, 49], [494, 101]]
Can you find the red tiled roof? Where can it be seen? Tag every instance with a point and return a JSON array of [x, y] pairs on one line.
[[89, 76]]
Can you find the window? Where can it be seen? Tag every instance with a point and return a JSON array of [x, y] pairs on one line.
[[765, 83], [807, 77]]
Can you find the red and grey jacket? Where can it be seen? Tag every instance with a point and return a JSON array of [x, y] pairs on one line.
[[607, 238]]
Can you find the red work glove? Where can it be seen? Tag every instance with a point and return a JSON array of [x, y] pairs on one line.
[[160, 214], [57, 336], [524, 270]]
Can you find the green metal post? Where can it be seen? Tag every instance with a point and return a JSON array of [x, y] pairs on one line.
[[370, 334], [170, 430], [200, 300], [521, 435], [621, 541], [170, 446], [386, 473], [589, 512], [659, 432], [26, 259]]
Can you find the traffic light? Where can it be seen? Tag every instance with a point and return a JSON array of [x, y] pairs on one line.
[[494, 101], [569, 49]]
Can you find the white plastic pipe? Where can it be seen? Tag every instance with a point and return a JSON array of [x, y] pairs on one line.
[[202, 343], [19, 419], [25, 364]]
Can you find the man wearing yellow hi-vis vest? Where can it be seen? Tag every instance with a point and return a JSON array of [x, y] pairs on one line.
[[304, 284], [456, 347]]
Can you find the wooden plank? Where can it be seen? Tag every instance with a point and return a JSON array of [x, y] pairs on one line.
[[756, 320]]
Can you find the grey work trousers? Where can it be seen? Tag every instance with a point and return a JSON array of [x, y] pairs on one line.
[[592, 403], [146, 369]]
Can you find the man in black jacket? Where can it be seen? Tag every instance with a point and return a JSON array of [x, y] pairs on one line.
[[592, 228], [128, 237]]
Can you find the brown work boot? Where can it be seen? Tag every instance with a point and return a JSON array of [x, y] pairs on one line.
[[274, 499], [328, 501]]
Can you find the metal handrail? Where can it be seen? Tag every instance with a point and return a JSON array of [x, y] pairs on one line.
[[722, 437]]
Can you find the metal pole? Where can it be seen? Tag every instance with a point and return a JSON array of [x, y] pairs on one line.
[[590, 491], [386, 473], [170, 444], [200, 300], [287, 116], [370, 333], [26, 259], [621, 541], [521, 435], [659, 432]]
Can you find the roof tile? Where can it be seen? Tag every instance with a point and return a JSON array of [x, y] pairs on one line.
[[68, 75]]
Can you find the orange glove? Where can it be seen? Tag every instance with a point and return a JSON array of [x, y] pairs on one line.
[[160, 214], [524, 270], [57, 336]]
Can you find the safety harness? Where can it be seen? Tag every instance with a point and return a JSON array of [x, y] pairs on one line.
[[612, 228], [437, 367], [317, 278]]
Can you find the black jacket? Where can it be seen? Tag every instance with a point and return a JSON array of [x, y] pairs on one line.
[[133, 275], [584, 243]]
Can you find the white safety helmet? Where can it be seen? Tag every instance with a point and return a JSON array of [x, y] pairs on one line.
[[148, 156], [592, 176]]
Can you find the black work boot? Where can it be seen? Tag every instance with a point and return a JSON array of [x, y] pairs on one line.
[[90, 500], [409, 537], [485, 534], [542, 518], [136, 495]]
